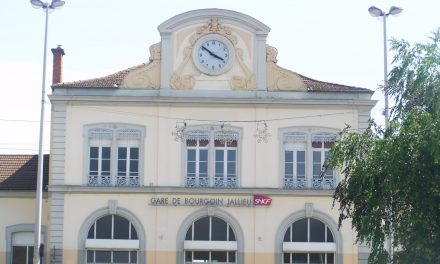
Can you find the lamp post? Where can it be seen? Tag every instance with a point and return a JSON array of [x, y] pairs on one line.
[[39, 192], [376, 12]]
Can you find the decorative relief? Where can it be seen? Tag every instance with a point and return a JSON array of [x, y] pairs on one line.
[[183, 82], [147, 76], [280, 79], [247, 82]]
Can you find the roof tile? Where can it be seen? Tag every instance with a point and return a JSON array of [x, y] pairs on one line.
[[19, 172]]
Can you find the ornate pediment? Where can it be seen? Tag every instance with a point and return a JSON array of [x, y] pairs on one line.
[[278, 78], [147, 77]]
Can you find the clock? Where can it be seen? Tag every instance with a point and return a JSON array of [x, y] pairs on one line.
[[213, 54]]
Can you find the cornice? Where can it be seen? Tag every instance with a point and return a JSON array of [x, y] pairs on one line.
[[187, 191]]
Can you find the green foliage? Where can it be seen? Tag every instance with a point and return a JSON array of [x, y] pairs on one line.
[[391, 179]]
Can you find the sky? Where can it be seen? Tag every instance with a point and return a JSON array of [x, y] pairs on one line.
[[334, 41]]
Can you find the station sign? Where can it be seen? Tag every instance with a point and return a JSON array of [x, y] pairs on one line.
[[257, 200]]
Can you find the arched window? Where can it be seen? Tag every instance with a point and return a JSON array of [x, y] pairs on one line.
[[210, 240], [112, 239], [308, 241]]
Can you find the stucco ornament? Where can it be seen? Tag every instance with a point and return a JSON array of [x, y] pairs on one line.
[[247, 82], [280, 79], [147, 77], [185, 82]]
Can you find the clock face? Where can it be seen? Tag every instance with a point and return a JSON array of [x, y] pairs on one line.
[[213, 55]]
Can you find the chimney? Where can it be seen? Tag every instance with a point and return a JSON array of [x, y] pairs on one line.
[[57, 74]]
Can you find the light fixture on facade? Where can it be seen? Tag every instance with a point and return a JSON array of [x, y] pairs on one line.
[[179, 133]]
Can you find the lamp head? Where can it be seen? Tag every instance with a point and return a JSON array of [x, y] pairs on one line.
[[37, 4], [375, 12], [57, 4], [394, 11]]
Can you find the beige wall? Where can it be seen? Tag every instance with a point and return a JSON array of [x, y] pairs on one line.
[[163, 161], [16, 211], [161, 223]]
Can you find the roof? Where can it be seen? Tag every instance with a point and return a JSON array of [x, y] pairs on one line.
[[115, 80], [19, 172]]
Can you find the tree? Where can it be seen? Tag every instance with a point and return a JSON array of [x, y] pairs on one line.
[[392, 178]]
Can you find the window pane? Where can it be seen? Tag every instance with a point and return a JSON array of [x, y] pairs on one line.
[[94, 152], [134, 153], [219, 156], [299, 231], [330, 258], [232, 143], [317, 258], [189, 233], [317, 157], [219, 143], [191, 155], [316, 144], [191, 168], [317, 231], [203, 155], [91, 233], [191, 143], [90, 256], [232, 155], [288, 170], [287, 237], [105, 166], [19, 254], [188, 256], [134, 166], [328, 144], [30, 254], [218, 256], [103, 256], [286, 258], [301, 156], [122, 153], [203, 168], [134, 234], [133, 257], [288, 156], [231, 169], [299, 258], [104, 227], [93, 166], [121, 228], [201, 256], [219, 169], [219, 230], [300, 170], [203, 142], [329, 235], [122, 167], [201, 229], [105, 152], [120, 256], [231, 235], [231, 256]]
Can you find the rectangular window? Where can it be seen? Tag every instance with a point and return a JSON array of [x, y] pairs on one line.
[[22, 254], [99, 165], [321, 152], [197, 162], [295, 165], [128, 166], [225, 163]]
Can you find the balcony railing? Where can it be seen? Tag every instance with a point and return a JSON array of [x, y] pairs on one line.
[[105, 180], [316, 184], [219, 182]]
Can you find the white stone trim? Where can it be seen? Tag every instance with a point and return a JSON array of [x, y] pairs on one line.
[[210, 245], [112, 244], [291, 247]]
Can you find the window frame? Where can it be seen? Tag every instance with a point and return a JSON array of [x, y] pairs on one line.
[[115, 136], [212, 133], [28, 228], [291, 136]]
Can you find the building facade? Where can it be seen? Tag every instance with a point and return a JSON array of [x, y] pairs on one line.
[[208, 153]]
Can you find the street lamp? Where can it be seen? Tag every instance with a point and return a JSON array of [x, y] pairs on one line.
[[376, 12], [38, 199]]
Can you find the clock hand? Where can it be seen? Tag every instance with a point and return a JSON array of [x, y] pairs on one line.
[[213, 54]]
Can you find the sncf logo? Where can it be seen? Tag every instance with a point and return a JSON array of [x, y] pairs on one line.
[[262, 200]]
